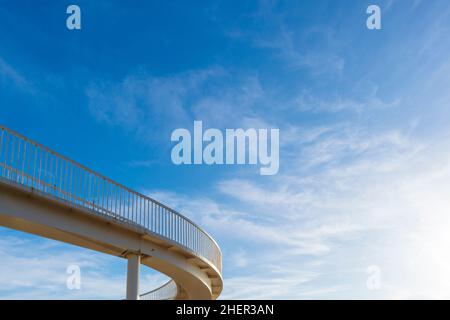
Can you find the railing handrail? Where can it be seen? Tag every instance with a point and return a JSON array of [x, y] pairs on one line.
[[215, 261], [118, 184], [159, 289]]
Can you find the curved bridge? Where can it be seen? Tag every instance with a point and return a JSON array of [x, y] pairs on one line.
[[47, 194]]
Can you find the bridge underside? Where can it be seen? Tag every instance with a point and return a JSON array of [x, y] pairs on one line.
[[25, 210]]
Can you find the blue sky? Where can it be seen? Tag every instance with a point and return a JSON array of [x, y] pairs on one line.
[[364, 157]]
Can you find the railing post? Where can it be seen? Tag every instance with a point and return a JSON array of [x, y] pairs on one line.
[[134, 262]]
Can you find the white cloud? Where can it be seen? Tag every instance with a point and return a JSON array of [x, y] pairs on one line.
[[240, 258], [213, 95], [306, 102], [35, 268], [291, 48], [377, 199], [10, 74]]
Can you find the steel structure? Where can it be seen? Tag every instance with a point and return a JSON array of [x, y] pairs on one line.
[[29, 167]]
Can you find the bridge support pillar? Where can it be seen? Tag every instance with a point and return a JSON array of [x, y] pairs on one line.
[[134, 262]]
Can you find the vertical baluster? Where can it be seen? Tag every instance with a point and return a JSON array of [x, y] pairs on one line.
[[188, 231], [132, 207], [98, 196], [126, 204], [23, 160], [144, 212], [40, 170], [11, 173], [45, 171], [108, 198], [135, 204], [190, 235], [50, 170], [66, 179], [136, 209], [2, 153], [5, 156], [163, 224], [121, 203], [97, 193], [178, 229], [167, 218], [159, 219], [149, 214], [174, 221], [49, 173], [75, 175], [98, 182], [182, 231], [62, 170], [177, 235], [36, 152], [111, 199], [84, 188], [115, 199], [196, 241], [180, 238], [166, 213], [16, 159], [55, 176], [158, 223], [163, 213], [141, 211], [70, 186], [187, 234], [89, 190], [152, 216], [89, 198], [170, 224], [65, 176], [129, 213], [80, 186], [28, 164], [103, 194], [61, 176]]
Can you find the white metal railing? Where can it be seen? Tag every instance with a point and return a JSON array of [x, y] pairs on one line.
[[30, 164], [166, 292]]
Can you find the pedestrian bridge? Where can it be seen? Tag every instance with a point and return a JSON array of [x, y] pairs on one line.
[[47, 194]]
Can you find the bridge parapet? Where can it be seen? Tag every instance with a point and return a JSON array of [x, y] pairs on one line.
[[28, 164]]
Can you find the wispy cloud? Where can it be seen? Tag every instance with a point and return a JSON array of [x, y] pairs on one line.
[[351, 209], [213, 95], [307, 102], [10, 74], [35, 268]]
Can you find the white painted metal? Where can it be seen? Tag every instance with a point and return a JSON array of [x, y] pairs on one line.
[[185, 252], [134, 263]]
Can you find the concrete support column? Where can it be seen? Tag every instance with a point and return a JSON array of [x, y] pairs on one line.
[[134, 262]]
